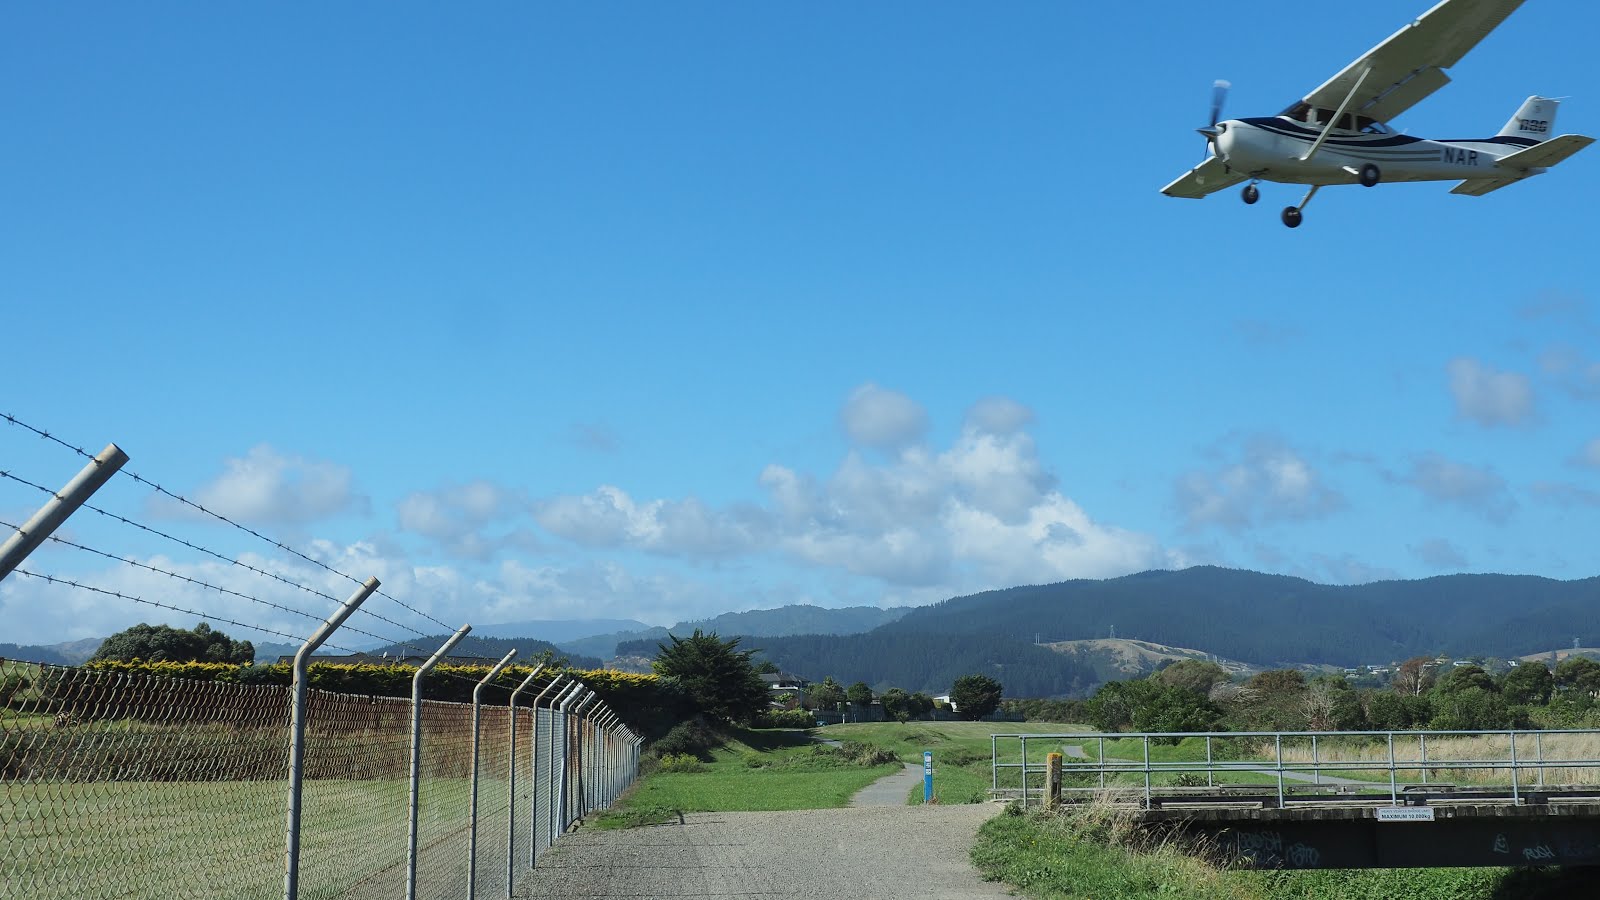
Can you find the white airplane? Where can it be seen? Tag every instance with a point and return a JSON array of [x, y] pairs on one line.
[[1338, 134]]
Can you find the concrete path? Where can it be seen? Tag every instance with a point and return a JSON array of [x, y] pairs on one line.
[[898, 853], [890, 790]]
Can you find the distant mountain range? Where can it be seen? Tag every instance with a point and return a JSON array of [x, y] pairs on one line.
[[1056, 639], [67, 653], [782, 621], [1263, 621]]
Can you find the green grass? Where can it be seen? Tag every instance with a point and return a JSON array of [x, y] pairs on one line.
[[962, 751], [138, 839], [756, 770], [1079, 855]]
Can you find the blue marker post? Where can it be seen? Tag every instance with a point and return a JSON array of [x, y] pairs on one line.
[[927, 776]]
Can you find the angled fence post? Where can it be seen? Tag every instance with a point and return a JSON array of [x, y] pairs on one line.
[[582, 749], [561, 822], [416, 754], [472, 806], [511, 807], [533, 800], [297, 732], [16, 548]]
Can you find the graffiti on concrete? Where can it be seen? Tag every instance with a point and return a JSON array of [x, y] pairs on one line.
[[1267, 848]]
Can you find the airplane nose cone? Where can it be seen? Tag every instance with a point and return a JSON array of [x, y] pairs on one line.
[[1223, 142]]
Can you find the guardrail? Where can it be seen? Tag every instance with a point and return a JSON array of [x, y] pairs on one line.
[[1299, 762]]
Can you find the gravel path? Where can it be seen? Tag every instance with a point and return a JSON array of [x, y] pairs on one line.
[[884, 853], [890, 790]]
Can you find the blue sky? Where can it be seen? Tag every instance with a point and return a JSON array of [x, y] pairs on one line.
[[663, 310]]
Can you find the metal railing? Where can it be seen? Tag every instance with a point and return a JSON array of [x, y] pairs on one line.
[[119, 784], [1300, 766]]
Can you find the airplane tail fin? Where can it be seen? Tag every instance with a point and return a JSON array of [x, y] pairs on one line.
[[1535, 118]]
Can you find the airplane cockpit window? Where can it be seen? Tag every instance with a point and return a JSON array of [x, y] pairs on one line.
[[1372, 126], [1300, 112]]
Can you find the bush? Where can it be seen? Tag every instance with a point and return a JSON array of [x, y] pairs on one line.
[[864, 754], [785, 718], [693, 737], [682, 763]]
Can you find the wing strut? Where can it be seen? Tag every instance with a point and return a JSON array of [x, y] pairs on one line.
[[1334, 120]]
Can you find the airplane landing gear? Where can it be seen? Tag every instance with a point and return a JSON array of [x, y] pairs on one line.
[[1369, 175], [1293, 215], [1250, 193]]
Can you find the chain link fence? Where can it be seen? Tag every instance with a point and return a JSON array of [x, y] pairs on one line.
[[125, 785]]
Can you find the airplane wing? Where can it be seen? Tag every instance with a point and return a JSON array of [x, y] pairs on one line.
[[1409, 65], [1207, 178]]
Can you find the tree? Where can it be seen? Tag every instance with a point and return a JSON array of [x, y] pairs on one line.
[[896, 704], [718, 678], [1195, 675], [975, 696], [1578, 676], [1414, 677], [1529, 684], [826, 696], [163, 643], [859, 695], [921, 704], [1460, 678]]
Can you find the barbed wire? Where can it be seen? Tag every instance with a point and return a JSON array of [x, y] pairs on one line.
[[46, 435], [205, 616], [69, 582], [229, 560], [204, 584], [387, 641]]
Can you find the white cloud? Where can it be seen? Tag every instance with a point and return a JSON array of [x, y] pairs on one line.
[[1490, 397], [268, 487], [882, 419], [998, 415], [456, 517], [1439, 553], [1269, 482], [1589, 455], [610, 518], [1565, 494], [1476, 488], [982, 512]]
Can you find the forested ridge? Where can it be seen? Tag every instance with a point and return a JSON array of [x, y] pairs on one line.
[[1265, 620]]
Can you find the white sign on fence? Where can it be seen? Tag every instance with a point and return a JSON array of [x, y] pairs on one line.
[[1405, 814]]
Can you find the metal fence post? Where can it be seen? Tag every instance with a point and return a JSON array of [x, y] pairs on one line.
[[533, 800], [416, 754], [297, 732], [511, 807], [561, 799], [472, 806], [89, 479]]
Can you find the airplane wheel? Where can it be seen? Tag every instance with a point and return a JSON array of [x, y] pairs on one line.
[[1250, 193], [1292, 216], [1369, 175]]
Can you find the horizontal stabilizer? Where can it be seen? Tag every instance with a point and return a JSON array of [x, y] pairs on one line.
[[1531, 161], [1477, 187], [1546, 154]]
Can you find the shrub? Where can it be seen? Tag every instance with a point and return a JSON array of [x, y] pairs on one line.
[[693, 737], [864, 754], [785, 718], [682, 763]]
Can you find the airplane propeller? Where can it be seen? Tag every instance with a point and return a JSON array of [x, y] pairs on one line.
[[1219, 94]]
